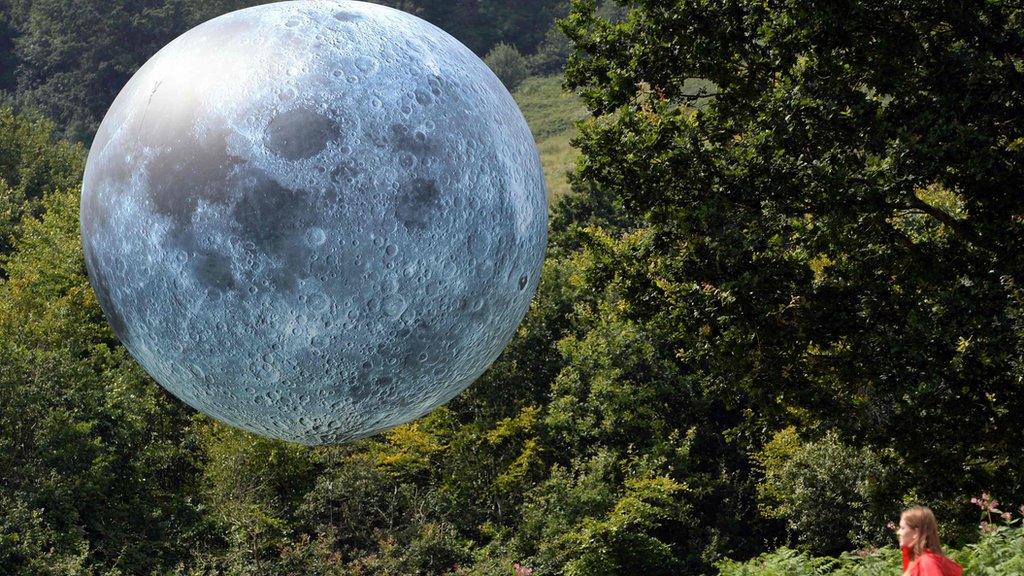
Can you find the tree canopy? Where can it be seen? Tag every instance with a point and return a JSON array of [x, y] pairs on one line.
[[832, 222]]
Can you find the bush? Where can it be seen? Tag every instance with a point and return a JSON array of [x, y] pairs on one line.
[[508, 65], [552, 54], [829, 493], [32, 164], [998, 552]]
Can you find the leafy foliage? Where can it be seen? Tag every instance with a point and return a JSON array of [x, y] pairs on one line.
[[92, 465], [508, 65], [1000, 552], [828, 492], [833, 239], [31, 165]]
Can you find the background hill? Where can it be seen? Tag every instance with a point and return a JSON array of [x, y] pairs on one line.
[[69, 58], [552, 114]]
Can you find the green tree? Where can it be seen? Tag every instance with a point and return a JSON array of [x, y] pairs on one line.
[[32, 164], [521, 24], [8, 60], [552, 53], [508, 65], [604, 515], [828, 492], [93, 470], [834, 234]]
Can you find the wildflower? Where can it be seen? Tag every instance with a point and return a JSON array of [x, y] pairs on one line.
[[892, 525], [522, 570], [986, 503], [1007, 516]]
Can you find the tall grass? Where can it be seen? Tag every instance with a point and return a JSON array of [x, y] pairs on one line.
[[551, 114]]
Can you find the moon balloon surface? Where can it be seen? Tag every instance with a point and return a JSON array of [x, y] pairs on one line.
[[314, 220]]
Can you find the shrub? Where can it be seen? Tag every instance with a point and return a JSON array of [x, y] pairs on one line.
[[508, 65], [1000, 551], [827, 492], [552, 53]]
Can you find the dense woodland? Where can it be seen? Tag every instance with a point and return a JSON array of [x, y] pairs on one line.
[[783, 300], [70, 58]]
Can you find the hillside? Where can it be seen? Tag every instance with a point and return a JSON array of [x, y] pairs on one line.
[[551, 114]]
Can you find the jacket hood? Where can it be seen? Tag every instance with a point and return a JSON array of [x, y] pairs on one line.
[[931, 564], [949, 567]]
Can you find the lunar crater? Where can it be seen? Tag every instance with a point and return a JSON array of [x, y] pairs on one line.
[[299, 133], [417, 202], [347, 16]]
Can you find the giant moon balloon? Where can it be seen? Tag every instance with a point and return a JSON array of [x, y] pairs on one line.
[[314, 220]]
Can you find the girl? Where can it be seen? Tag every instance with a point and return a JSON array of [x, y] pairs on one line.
[[919, 540]]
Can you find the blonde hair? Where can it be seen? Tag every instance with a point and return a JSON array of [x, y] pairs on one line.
[[922, 519]]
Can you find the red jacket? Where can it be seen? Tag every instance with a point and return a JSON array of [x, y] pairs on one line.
[[930, 564]]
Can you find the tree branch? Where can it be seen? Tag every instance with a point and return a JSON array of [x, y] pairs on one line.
[[699, 95], [942, 216]]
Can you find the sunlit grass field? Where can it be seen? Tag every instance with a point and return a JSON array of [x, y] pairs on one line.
[[551, 114]]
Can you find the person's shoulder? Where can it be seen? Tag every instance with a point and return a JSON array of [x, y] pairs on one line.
[[923, 565], [934, 564]]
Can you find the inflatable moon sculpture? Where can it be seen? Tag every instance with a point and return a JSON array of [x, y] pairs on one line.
[[314, 220]]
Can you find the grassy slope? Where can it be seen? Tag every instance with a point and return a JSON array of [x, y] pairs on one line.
[[551, 114]]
